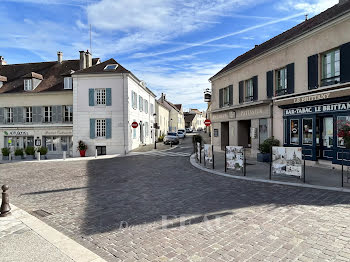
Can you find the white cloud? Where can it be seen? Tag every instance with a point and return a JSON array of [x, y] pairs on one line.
[[311, 7]]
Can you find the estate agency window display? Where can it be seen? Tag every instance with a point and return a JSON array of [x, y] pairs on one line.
[[315, 128]]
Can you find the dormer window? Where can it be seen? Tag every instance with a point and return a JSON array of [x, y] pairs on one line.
[[1, 84], [68, 83], [28, 85], [110, 67], [2, 80]]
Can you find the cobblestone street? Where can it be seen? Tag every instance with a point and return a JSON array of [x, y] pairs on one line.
[[160, 208]]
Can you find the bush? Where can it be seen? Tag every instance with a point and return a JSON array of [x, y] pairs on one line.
[[5, 151], [19, 152], [161, 138], [82, 146], [42, 150], [265, 147], [30, 151]]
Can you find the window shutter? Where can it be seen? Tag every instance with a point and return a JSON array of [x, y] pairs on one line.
[[255, 88], [312, 71], [37, 114], [108, 128], [92, 128], [345, 63], [221, 98], [231, 94], [108, 96], [269, 84], [15, 114], [290, 78], [59, 111], [91, 97], [2, 118], [241, 92], [54, 114], [20, 114]]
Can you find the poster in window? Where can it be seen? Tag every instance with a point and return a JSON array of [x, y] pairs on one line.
[[287, 161], [294, 131], [208, 153], [235, 157], [216, 132]]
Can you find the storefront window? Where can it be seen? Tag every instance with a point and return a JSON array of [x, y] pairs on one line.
[[342, 121], [307, 131], [263, 130], [327, 134], [285, 133], [294, 131]]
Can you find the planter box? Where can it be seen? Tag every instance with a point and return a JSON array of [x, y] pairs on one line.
[[43, 157], [264, 157], [18, 157], [5, 157]]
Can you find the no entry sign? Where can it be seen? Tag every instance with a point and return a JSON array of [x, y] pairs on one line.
[[207, 122], [134, 124]]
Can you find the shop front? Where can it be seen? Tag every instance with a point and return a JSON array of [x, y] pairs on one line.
[[315, 127]]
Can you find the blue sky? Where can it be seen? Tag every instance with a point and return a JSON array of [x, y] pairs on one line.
[[174, 45]]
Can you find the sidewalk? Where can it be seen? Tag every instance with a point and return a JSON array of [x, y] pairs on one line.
[[318, 176], [24, 237]]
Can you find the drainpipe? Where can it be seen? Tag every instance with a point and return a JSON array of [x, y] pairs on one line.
[[271, 106], [126, 124]]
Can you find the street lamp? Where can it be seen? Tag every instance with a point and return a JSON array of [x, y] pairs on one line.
[[155, 129]]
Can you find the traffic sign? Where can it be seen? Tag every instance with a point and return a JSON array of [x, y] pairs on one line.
[[134, 124], [207, 122]]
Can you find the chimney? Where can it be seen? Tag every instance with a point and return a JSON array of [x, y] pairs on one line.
[[2, 61], [88, 58], [82, 60], [341, 2], [163, 97], [59, 57]]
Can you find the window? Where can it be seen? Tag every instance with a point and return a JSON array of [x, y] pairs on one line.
[[285, 133], [146, 129], [68, 83], [134, 100], [100, 127], [28, 86], [342, 121], [68, 113], [151, 109], [263, 130], [294, 131], [140, 103], [226, 96], [146, 106], [100, 96], [9, 115], [111, 67], [248, 90], [281, 82], [29, 114], [47, 114], [327, 134], [307, 131], [1, 84], [331, 68]]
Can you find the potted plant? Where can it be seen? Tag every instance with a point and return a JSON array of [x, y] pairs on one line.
[[30, 151], [265, 149], [5, 153], [344, 134], [19, 153], [43, 151], [82, 147]]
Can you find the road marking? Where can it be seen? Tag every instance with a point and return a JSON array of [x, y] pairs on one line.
[[160, 153]]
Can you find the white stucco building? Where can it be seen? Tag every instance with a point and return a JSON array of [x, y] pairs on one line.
[[107, 99]]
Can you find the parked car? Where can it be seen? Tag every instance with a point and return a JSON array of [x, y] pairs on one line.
[[180, 134], [189, 130], [171, 138], [183, 131]]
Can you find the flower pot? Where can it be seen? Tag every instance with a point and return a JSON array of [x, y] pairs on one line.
[[264, 157], [43, 157], [18, 157], [82, 153], [5, 157]]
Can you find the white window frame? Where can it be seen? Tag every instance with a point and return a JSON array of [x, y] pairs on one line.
[[248, 90], [29, 114], [134, 100], [100, 96], [330, 67], [69, 111], [100, 128], [141, 103], [28, 84], [146, 106], [226, 96], [47, 114], [9, 115], [68, 82], [281, 83]]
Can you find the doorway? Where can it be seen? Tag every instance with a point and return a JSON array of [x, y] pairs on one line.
[[244, 138], [324, 137], [141, 132], [101, 150], [225, 131]]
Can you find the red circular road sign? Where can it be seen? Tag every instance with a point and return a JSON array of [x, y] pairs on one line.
[[207, 122], [134, 124]]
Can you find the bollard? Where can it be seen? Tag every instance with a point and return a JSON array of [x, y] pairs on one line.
[[96, 153], [64, 155], [38, 156], [10, 157], [155, 144], [171, 144], [5, 208]]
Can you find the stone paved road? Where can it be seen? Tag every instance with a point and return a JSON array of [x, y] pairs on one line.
[[160, 208]]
